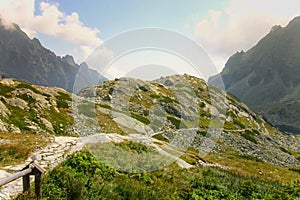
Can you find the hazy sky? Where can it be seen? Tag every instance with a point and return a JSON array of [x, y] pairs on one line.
[[77, 27]]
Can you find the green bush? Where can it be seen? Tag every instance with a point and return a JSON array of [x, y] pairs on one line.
[[82, 176]]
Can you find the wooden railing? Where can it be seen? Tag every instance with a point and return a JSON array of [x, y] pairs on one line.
[[31, 169]]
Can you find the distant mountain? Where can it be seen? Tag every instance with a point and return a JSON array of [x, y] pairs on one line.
[[267, 77], [26, 59]]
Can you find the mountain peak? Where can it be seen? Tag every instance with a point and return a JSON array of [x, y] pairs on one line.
[[69, 59], [26, 59], [295, 21], [266, 77]]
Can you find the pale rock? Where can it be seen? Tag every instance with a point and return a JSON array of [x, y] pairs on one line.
[[3, 110], [3, 126], [47, 124], [17, 102], [14, 128], [32, 128], [8, 82]]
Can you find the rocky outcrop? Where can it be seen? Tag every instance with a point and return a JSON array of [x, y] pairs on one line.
[[29, 108]]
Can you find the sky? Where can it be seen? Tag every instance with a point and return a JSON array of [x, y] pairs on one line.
[[220, 27]]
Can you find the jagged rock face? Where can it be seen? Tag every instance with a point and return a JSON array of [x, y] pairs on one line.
[[267, 76], [26, 59]]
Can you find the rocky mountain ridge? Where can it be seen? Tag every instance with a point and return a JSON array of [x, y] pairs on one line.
[[26, 59], [266, 77]]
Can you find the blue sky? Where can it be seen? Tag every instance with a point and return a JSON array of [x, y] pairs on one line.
[[113, 17], [76, 27]]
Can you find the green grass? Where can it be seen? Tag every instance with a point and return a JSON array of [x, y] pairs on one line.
[[204, 122], [28, 86], [140, 118], [19, 147], [5, 90], [247, 157], [105, 106], [63, 96], [202, 133], [191, 159], [17, 116], [166, 99], [202, 105], [62, 100], [176, 122], [155, 96], [27, 98], [62, 104], [160, 137], [60, 120], [87, 108], [250, 167], [82, 176], [134, 147], [239, 123], [107, 124], [249, 135]]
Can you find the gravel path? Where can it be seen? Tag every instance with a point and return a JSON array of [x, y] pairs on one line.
[[55, 153], [48, 158]]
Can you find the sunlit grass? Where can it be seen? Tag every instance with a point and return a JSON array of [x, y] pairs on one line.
[[256, 168], [16, 147]]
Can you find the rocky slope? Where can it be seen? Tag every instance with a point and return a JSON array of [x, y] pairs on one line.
[[267, 76], [30, 108], [186, 112], [26, 59], [180, 110]]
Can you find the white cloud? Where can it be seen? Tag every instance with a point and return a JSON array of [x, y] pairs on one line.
[[51, 22], [240, 25]]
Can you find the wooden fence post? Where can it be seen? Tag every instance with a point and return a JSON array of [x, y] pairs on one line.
[[31, 169], [38, 185], [26, 183]]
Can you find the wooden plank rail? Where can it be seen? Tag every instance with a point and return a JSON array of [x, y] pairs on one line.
[[31, 169], [15, 176]]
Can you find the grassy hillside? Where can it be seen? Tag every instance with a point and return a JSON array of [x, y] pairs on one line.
[[82, 176], [175, 118]]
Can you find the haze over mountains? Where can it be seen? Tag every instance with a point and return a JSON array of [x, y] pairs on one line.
[[26, 59], [267, 76], [139, 135]]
